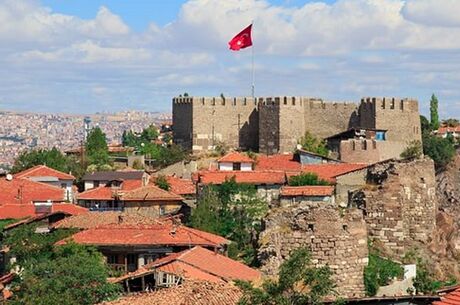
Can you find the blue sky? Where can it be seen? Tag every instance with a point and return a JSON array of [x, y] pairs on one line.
[[108, 55]]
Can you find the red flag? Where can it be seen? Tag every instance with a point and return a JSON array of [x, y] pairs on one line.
[[241, 40]]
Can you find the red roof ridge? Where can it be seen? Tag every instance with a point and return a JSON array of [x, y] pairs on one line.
[[28, 171]]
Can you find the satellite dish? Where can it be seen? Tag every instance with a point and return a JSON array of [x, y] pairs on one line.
[[9, 177]]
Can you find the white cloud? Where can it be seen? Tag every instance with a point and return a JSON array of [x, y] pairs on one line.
[[444, 13], [339, 51]]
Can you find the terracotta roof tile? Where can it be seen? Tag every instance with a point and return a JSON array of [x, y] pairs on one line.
[[150, 193], [24, 191], [96, 219], [189, 293], [98, 193], [43, 171], [307, 190], [452, 298], [250, 177], [233, 157], [443, 130], [332, 170], [210, 262], [181, 186], [154, 234], [280, 162], [18, 211]]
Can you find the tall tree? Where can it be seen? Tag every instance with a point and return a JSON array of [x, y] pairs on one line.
[[50, 157], [96, 148], [315, 145], [434, 115], [129, 138]]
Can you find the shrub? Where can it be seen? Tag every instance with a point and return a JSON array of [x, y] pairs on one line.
[[306, 179], [414, 150]]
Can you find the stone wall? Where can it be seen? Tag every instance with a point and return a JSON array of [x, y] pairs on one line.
[[334, 240], [369, 151], [275, 124], [401, 203]]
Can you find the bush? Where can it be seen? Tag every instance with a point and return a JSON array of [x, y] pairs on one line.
[[306, 179], [162, 182], [312, 144], [380, 272], [414, 150], [442, 151]]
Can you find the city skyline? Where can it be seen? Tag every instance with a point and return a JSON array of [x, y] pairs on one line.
[[107, 56]]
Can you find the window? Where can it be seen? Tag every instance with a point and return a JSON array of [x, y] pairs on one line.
[[112, 259], [162, 209], [236, 166], [95, 183]]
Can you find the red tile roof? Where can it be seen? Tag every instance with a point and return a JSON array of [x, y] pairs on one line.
[[129, 191], [188, 293], [330, 171], [96, 219], [181, 186], [210, 262], [18, 211], [43, 171], [146, 235], [309, 190], [444, 130], [237, 157], [150, 193], [24, 191], [452, 298], [250, 177], [281, 162]]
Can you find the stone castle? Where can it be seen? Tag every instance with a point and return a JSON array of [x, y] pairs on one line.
[[275, 124]]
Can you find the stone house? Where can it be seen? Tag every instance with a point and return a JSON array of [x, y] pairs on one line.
[[101, 178]]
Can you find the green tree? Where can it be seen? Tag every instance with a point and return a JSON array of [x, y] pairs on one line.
[[450, 122], [298, 284], [306, 179], [380, 272], [434, 115], [234, 211], [414, 150], [312, 144], [149, 134], [74, 274], [50, 157], [128, 139], [425, 125], [162, 182], [441, 150], [96, 148]]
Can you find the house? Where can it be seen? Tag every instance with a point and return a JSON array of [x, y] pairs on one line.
[[23, 198], [127, 247], [446, 131], [235, 161], [47, 175], [101, 178], [129, 197], [298, 194], [192, 264], [364, 145], [47, 220], [190, 292], [183, 187], [307, 157]]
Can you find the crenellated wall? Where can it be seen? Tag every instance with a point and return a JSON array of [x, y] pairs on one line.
[[275, 124]]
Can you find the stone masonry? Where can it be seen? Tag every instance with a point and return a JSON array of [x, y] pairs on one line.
[[275, 124], [338, 241], [401, 203]]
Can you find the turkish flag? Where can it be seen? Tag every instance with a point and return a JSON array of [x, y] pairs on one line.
[[241, 40]]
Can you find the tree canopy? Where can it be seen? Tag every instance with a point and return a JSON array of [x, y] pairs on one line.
[[306, 179], [234, 211], [434, 115], [96, 148], [52, 158], [299, 283], [74, 273], [312, 144]]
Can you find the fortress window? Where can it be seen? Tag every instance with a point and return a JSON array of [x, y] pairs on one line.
[[364, 145], [244, 102], [202, 101], [311, 227], [285, 100], [234, 101], [345, 227], [223, 102], [392, 105], [213, 103], [353, 145], [293, 101], [401, 105]]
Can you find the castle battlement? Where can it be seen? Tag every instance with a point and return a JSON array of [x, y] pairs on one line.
[[215, 101], [390, 103]]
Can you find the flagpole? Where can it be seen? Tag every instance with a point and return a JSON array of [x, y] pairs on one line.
[[252, 67]]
